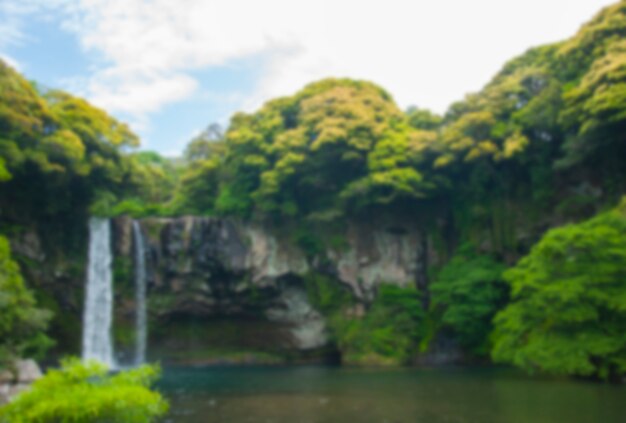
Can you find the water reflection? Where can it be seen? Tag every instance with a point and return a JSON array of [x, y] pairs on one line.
[[329, 395]]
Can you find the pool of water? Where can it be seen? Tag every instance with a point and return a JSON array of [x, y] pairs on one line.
[[312, 394]]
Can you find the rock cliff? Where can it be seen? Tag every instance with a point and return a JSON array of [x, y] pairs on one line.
[[208, 269]]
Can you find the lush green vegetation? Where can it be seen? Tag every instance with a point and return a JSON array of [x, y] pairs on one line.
[[52, 141], [339, 147], [568, 309], [326, 295], [336, 146], [62, 158], [21, 323], [332, 149], [466, 295], [542, 145], [88, 393], [388, 333]]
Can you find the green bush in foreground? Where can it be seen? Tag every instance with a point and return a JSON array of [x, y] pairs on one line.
[[568, 314], [80, 392]]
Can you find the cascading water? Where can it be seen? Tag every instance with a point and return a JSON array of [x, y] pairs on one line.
[[98, 313], [140, 294]]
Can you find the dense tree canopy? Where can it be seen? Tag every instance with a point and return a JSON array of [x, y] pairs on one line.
[[61, 158], [568, 309], [334, 146], [339, 146], [50, 142]]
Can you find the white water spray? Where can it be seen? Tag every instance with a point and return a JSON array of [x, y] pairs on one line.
[[98, 313]]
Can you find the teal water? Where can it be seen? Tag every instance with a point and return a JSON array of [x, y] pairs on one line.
[[313, 394]]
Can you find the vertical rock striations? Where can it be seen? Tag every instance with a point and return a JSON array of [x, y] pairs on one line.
[[140, 295], [201, 270]]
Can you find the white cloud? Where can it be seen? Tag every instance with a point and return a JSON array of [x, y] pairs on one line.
[[424, 52], [11, 61], [12, 14], [10, 28], [138, 91], [148, 47]]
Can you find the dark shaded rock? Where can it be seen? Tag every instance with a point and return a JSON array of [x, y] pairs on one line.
[[28, 244], [442, 351]]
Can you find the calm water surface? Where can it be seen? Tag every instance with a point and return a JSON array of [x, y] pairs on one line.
[[345, 395]]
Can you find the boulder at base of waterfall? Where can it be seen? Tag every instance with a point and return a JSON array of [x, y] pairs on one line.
[[14, 382]]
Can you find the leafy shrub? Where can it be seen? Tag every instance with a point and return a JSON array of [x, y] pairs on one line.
[[21, 323], [103, 204], [327, 294], [80, 392], [466, 295], [137, 208], [568, 314], [232, 202], [310, 242], [390, 331], [132, 206]]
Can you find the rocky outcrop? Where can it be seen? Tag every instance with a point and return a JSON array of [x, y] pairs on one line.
[[211, 268], [192, 250], [377, 255], [17, 380], [205, 270], [28, 244], [307, 326]]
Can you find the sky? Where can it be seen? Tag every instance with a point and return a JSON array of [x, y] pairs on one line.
[[172, 67]]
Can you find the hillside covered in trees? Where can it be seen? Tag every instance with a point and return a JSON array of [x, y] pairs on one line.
[[516, 191]]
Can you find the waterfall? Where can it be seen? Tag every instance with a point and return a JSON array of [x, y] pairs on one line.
[[140, 294], [98, 313]]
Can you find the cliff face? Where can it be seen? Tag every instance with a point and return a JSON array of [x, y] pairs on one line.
[[56, 277], [208, 270], [221, 286]]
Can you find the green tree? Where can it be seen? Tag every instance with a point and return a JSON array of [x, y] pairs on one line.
[[568, 309], [82, 393], [198, 188], [466, 294], [595, 112], [4, 173], [390, 331], [149, 186], [22, 324], [62, 152], [336, 146], [423, 119], [204, 146]]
